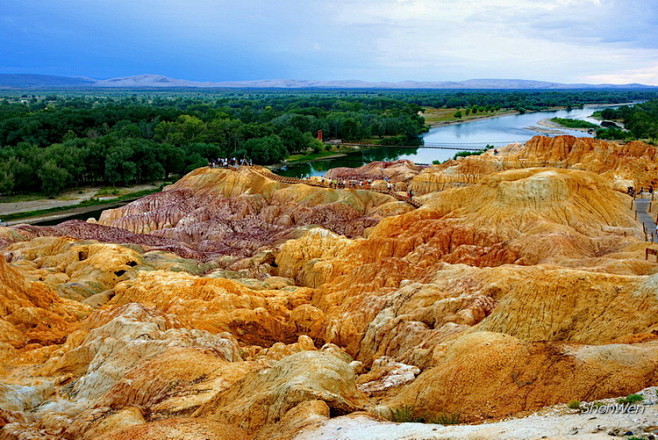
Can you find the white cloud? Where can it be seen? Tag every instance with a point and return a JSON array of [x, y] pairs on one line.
[[643, 75], [560, 40], [555, 40]]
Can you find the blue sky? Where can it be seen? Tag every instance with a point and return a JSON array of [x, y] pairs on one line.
[[594, 41]]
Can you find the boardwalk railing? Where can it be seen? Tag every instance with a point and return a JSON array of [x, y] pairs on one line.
[[642, 207], [295, 181]]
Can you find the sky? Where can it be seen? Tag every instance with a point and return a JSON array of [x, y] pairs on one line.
[[570, 41]]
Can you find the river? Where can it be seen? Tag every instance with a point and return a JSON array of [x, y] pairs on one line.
[[498, 131]]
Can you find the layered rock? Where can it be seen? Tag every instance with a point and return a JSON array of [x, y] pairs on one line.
[[236, 305], [31, 314], [629, 164], [183, 429], [74, 269], [254, 316], [415, 307], [265, 398], [397, 171], [490, 375], [225, 212]]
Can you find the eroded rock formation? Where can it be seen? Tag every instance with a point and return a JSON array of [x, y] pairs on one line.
[[235, 306], [623, 165]]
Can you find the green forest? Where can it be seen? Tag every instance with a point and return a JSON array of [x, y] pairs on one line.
[[51, 141], [640, 122]]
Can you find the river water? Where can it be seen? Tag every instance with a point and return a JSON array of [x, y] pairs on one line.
[[498, 131]]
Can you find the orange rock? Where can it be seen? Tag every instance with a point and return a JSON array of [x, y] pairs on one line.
[[489, 375], [263, 398], [260, 317], [526, 288], [631, 164], [180, 429], [31, 313]]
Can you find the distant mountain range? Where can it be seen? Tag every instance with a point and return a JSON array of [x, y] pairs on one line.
[[148, 81]]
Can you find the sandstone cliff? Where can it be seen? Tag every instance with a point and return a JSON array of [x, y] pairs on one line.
[[235, 305], [623, 165]]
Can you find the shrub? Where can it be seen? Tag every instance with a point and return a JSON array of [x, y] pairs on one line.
[[108, 192], [395, 140], [404, 414], [574, 404], [631, 399], [467, 153], [446, 419]]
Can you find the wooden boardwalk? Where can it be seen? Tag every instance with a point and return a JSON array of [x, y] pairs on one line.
[[642, 208], [295, 181]]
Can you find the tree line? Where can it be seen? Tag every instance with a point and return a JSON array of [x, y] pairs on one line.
[[53, 143], [640, 122]]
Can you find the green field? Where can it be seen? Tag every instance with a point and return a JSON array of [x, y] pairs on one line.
[[574, 123], [435, 116], [84, 204]]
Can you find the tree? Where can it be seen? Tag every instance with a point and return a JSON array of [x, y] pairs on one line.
[[172, 159], [316, 145], [7, 180], [119, 168], [294, 140], [266, 150], [458, 114], [53, 178]]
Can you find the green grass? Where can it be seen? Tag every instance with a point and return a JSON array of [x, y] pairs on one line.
[[446, 419], [16, 198], [574, 123], [631, 399], [108, 191], [314, 156], [574, 404], [467, 153], [90, 202], [439, 115], [406, 414]]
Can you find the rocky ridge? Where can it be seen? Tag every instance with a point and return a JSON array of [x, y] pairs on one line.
[[235, 306]]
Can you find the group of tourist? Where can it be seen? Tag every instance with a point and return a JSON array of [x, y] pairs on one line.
[[225, 162], [355, 184], [632, 192], [340, 183]]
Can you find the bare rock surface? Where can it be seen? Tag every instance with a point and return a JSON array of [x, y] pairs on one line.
[[238, 305]]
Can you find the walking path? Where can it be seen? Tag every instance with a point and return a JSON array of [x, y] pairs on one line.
[[641, 206], [70, 198], [295, 181]]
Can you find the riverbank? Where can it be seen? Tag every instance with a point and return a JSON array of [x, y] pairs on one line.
[[67, 213], [448, 113], [303, 158], [555, 128], [19, 212], [435, 117], [72, 198], [343, 151]]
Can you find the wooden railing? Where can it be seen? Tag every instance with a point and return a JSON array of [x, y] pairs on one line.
[[321, 184]]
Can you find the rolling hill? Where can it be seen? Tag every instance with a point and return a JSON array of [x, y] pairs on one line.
[[148, 81]]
